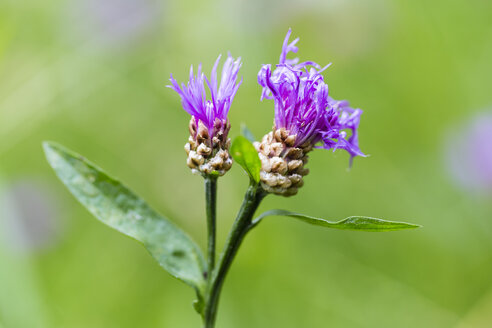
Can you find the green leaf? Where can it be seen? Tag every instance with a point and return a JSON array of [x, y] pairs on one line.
[[118, 207], [245, 132], [359, 223], [244, 153]]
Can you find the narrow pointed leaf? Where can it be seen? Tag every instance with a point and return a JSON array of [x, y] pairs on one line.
[[118, 207], [245, 132], [244, 153], [359, 223]]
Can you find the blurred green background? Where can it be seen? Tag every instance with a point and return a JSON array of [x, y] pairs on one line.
[[91, 74]]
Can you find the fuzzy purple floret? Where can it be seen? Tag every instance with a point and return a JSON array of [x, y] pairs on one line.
[[194, 97], [302, 104]]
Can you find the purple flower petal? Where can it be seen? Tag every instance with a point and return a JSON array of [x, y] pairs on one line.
[[194, 98], [302, 104]]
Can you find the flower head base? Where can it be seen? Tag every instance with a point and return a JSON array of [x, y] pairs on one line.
[[208, 146], [207, 153], [304, 116], [282, 163]]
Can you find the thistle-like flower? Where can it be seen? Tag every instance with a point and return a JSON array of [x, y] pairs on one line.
[[305, 116], [469, 153], [208, 145]]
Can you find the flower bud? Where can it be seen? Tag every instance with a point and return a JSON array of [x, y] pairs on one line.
[[282, 164], [208, 151], [208, 145]]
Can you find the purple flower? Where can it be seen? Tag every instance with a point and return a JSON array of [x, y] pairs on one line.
[[208, 145], [303, 107], [29, 216], [469, 153], [113, 23], [193, 95]]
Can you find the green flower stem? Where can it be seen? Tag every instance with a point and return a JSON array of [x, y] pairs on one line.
[[241, 226], [211, 209]]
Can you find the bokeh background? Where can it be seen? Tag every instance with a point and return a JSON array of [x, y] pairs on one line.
[[91, 74]]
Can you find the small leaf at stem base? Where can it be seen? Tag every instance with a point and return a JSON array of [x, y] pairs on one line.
[[244, 153]]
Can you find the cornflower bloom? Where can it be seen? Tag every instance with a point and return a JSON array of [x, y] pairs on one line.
[[469, 153], [208, 144], [305, 117]]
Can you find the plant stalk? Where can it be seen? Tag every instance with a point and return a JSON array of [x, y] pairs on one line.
[[211, 209], [252, 199]]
